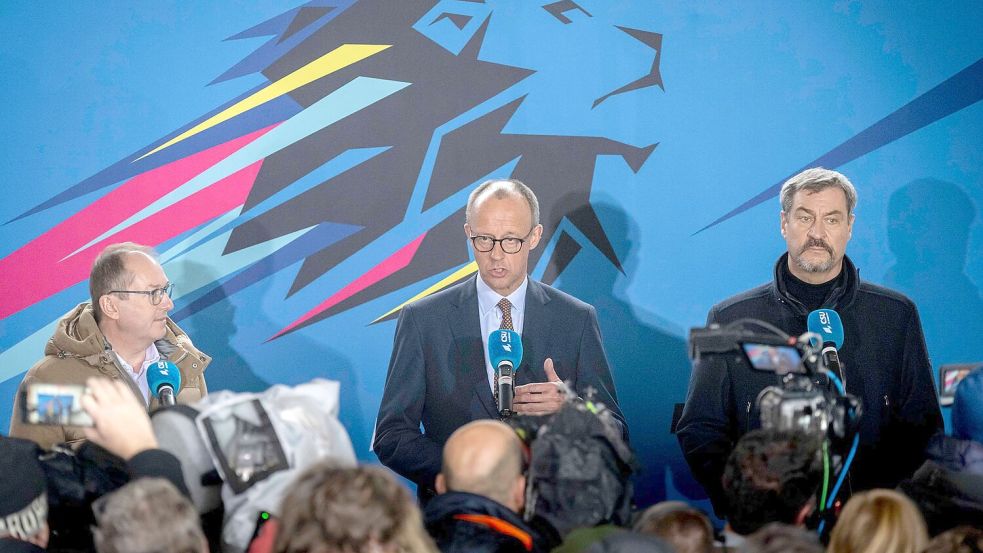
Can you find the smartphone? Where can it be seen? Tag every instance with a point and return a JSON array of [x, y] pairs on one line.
[[950, 376], [56, 404]]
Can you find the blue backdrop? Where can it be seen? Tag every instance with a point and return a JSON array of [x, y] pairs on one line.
[[306, 177]]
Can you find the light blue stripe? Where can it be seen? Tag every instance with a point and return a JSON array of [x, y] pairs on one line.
[[348, 99]]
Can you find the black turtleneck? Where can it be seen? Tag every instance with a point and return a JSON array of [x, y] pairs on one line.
[[812, 296]]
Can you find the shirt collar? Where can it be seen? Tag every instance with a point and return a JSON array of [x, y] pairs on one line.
[[488, 299]]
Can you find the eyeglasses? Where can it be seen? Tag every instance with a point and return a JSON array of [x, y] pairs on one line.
[[156, 296], [484, 243]]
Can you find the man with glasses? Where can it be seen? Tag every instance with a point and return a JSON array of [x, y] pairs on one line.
[[440, 373], [120, 334]]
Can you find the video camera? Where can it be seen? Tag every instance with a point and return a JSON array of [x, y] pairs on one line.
[[807, 396]]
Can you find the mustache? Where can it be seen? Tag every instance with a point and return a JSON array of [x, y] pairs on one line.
[[816, 243]]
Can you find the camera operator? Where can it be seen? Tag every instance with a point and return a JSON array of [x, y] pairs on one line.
[[883, 357]]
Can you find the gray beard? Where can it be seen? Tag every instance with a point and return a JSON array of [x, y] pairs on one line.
[[811, 267]]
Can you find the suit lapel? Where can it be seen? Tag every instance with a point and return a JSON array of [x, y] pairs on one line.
[[536, 325], [466, 328]]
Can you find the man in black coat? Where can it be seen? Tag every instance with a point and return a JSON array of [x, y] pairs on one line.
[[883, 355]]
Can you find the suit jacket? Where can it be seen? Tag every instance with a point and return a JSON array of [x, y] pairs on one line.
[[437, 373]]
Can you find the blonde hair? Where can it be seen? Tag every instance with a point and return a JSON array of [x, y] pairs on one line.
[[879, 521]]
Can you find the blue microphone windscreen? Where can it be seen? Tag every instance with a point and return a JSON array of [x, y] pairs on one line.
[[827, 323], [505, 345], [163, 372]]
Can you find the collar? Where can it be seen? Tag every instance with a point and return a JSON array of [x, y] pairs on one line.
[[152, 356], [839, 298], [488, 299]]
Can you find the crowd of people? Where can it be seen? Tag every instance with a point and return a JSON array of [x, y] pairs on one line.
[[771, 481], [535, 465]]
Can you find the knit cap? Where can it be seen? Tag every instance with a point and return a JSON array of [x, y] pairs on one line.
[[23, 490], [967, 408]]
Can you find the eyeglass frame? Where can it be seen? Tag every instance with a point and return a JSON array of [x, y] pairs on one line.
[[167, 290], [500, 242]]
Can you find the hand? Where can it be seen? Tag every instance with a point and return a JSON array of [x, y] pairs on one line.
[[540, 398], [120, 421]]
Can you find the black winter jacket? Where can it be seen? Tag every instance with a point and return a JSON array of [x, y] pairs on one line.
[[466, 523], [948, 488], [884, 361]]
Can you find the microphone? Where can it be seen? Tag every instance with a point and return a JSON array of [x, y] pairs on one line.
[[164, 379], [827, 324], [505, 352]]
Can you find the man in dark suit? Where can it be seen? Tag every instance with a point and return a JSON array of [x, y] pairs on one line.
[[440, 374]]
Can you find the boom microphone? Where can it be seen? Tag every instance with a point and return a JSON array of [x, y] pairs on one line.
[[505, 352], [164, 379], [827, 324]]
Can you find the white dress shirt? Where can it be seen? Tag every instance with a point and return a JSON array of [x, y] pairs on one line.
[[491, 316], [140, 378]]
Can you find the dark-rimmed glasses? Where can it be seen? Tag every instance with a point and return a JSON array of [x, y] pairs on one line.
[[486, 244], [156, 295]]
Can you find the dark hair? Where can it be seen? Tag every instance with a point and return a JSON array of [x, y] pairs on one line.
[[769, 477], [961, 539]]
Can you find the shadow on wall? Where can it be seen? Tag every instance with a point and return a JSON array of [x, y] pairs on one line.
[[928, 226], [650, 366], [290, 360]]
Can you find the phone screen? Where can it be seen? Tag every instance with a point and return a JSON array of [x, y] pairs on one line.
[[779, 359], [56, 404]]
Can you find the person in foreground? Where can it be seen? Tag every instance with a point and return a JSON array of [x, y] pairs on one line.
[[481, 491], [879, 521], [440, 373], [119, 334], [148, 515], [883, 356], [120, 426], [338, 509]]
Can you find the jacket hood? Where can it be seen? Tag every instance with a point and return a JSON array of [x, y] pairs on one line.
[[77, 335], [453, 503]]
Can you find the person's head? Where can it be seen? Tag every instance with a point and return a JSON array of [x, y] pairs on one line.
[[125, 282], [23, 493], [967, 409], [961, 539], [502, 216], [782, 538], [771, 476], [336, 509], [817, 222], [688, 530], [148, 515], [879, 521], [484, 457]]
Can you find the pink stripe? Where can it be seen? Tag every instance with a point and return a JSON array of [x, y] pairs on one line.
[[395, 262], [34, 272]]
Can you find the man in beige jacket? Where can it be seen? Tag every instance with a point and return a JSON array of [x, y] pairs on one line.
[[120, 334]]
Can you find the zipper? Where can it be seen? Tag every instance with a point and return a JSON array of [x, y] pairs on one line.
[[747, 418]]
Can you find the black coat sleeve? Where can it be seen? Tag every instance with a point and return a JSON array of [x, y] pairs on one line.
[[706, 429], [399, 442]]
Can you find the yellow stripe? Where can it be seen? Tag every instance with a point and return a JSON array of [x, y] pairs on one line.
[[340, 57], [464, 271]]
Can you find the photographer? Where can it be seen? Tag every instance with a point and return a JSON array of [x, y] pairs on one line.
[[882, 357], [45, 496]]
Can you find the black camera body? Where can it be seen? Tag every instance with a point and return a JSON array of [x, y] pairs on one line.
[[804, 398]]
